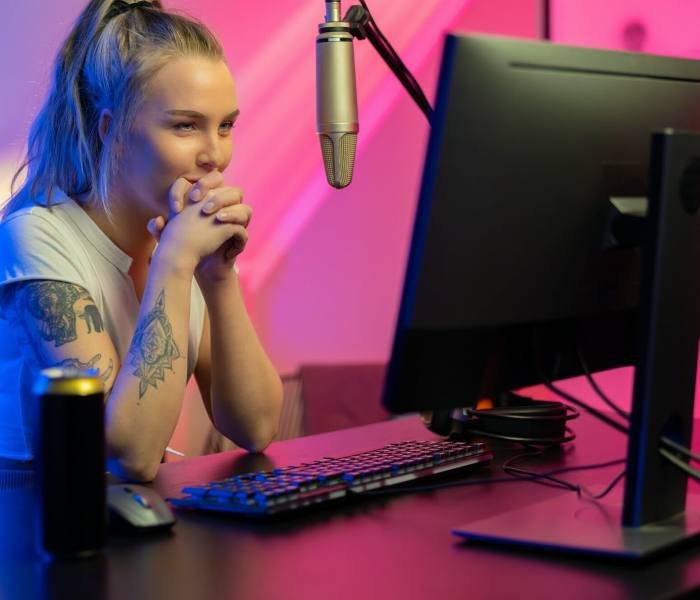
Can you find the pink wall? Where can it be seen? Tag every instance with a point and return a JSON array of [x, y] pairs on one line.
[[668, 27], [333, 295]]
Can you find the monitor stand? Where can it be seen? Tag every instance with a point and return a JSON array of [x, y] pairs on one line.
[[573, 524], [656, 512]]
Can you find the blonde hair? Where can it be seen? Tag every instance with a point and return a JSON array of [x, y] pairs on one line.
[[113, 51]]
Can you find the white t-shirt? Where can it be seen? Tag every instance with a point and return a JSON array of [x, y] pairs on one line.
[[63, 243]]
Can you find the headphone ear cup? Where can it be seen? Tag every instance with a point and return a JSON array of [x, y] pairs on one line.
[[438, 421], [535, 422], [540, 421]]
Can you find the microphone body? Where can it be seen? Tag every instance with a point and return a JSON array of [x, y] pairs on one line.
[[336, 101]]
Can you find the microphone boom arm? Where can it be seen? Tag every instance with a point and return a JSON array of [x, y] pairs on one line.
[[362, 26]]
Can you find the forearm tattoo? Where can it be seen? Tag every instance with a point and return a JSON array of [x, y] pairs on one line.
[[47, 311], [153, 348]]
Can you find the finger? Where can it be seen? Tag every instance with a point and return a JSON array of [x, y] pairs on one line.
[[211, 181], [239, 214], [236, 244], [153, 229], [218, 199], [177, 193], [155, 226]]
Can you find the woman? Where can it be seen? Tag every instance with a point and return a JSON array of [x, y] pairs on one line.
[[128, 150]]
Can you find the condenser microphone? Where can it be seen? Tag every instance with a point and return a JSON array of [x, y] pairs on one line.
[[336, 97]]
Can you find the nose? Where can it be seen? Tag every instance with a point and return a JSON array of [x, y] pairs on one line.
[[211, 154]]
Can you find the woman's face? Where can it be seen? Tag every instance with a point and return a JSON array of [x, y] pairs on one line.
[[183, 129]]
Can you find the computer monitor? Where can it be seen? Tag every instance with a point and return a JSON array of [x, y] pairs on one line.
[[525, 250]]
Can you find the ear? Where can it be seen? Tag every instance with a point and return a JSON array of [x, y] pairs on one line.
[[103, 123]]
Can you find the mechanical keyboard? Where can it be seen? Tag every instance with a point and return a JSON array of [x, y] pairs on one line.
[[288, 489]]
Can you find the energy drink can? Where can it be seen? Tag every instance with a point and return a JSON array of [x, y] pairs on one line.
[[70, 462]]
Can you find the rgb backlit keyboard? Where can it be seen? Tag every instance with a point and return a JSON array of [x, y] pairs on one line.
[[291, 488]]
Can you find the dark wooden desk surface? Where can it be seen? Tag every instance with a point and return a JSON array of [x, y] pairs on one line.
[[386, 547]]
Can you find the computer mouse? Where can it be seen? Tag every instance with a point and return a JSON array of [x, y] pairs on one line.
[[137, 508]]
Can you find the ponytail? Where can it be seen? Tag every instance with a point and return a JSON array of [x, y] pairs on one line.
[[113, 50]]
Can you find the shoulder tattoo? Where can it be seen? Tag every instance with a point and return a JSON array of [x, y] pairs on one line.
[[55, 307], [49, 310]]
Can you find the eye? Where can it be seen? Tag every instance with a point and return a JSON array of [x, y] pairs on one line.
[[226, 126], [185, 127]]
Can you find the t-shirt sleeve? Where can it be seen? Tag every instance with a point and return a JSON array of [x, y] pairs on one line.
[[32, 247]]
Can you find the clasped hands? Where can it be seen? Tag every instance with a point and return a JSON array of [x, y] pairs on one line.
[[219, 204]]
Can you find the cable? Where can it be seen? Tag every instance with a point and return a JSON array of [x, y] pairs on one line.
[[376, 27], [678, 462], [554, 481], [609, 463], [467, 482], [401, 72], [546, 20], [672, 458], [569, 436], [592, 382], [593, 411], [608, 489], [384, 42], [682, 465], [561, 393], [682, 449]]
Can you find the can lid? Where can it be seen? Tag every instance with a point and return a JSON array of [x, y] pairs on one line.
[[74, 381]]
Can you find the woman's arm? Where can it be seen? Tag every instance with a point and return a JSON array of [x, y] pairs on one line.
[[57, 323], [240, 388], [145, 402]]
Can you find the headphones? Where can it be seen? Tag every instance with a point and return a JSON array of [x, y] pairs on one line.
[[507, 417]]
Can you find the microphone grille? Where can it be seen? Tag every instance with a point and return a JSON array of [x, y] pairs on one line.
[[338, 157]]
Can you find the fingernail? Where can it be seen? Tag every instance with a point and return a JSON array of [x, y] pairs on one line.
[[195, 194], [208, 207], [223, 214]]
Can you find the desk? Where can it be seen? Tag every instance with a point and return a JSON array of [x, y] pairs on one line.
[[387, 547]]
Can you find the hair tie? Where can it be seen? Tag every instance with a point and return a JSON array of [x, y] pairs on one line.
[[120, 6]]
